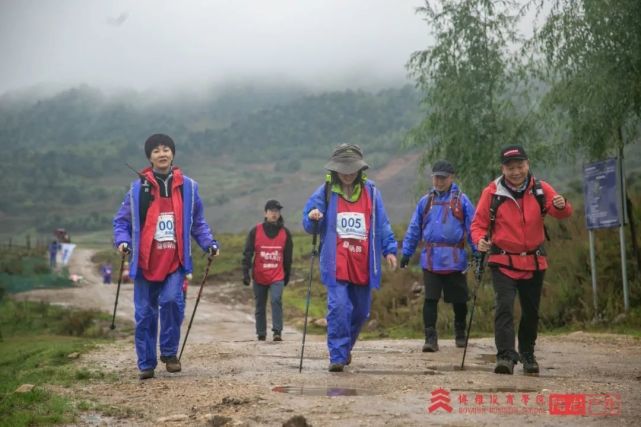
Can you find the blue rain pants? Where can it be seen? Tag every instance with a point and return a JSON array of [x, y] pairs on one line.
[[347, 310], [153, 298]]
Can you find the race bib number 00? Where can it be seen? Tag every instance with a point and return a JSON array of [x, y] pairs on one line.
[[165, 228], [351, 225]]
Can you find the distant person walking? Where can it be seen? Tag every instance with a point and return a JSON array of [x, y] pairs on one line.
[[508, 225], [156, 221], [54, 247], [106, 273], [442, 220], [268, 255], [348, 212]]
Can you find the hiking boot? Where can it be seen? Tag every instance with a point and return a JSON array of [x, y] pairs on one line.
[[261, 337], [504, 366], [336, 367], [277, 337], [459, 331], [349, 359], [530, 366], [171, 363], [146, 374], [431, 341]]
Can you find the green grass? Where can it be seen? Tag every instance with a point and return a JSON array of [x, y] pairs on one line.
[[36, 340], [24, 269]]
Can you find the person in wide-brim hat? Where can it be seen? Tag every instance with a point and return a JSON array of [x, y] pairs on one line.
[[347, 212], [346, 159]]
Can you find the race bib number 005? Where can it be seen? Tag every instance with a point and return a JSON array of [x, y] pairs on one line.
[[165, 228], [351, 225]]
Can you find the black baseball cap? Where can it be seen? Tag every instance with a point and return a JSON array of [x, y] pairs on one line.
[[442, 168], [272, 205], [512, 152]]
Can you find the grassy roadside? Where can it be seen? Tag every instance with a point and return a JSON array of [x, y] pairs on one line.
[[396, 312], [39, 343]]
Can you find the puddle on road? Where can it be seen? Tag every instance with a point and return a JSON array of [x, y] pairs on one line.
[[499, 390], [487, 358], [457, 368], [391, 372], [323, 391]]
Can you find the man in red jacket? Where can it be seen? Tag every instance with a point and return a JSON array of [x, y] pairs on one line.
[[508, 224]]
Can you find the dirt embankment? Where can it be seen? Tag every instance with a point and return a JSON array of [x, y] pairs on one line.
[[229, 378]]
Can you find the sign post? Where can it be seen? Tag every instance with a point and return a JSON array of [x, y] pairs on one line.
[[603, 193]]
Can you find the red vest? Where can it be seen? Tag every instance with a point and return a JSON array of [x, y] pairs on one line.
[[352, 239], [163, 258], [268, 257]]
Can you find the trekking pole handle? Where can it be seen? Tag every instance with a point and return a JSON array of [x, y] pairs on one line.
[[315, 233]]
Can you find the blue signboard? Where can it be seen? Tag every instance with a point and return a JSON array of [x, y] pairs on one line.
[[602, 195]]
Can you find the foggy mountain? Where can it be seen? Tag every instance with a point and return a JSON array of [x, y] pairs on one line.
[[244, 145]]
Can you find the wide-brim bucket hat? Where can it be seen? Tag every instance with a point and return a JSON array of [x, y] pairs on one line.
[[346, 159]]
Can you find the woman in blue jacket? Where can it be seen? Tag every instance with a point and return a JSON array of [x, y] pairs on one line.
[[159, 215], [348, 213]]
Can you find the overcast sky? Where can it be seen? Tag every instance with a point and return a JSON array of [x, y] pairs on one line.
[[152, 44]]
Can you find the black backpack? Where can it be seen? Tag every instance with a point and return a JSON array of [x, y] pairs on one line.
[[537, 189]]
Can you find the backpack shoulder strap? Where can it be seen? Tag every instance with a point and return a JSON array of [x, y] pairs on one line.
[[427, 209], [540, 195], [494, 206], [328, 193], [538, 192], [456, 205]]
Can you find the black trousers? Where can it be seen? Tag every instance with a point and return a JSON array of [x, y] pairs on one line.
[[505, 290], [453, 286]]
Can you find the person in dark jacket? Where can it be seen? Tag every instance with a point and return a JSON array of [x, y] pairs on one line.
[[508, 224], [268, 255], [442, 221], [159, 215]]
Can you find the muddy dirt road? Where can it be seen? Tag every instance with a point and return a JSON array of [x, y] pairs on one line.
[[229, 378]]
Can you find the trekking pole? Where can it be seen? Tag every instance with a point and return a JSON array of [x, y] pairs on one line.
[[309, 293], [478, 275], [122, 265], [200, 291]]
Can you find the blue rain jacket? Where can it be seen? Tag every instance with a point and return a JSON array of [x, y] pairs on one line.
[[442, 232]]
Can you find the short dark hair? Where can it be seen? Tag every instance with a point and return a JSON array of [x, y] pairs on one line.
[[159, 139]]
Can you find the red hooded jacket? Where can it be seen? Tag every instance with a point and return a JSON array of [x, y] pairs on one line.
[[518, 228]]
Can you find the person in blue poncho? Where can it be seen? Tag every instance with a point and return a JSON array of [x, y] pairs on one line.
[[348, 213]]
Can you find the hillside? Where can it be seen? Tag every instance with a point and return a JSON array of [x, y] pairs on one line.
[[245, 145]]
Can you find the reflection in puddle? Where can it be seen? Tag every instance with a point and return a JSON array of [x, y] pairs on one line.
[[323, 391], [499, 390], [487, 358], [456, 368], [390, 372]]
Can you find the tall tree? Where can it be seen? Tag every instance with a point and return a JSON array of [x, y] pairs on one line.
[[471, 82], [592, 53]]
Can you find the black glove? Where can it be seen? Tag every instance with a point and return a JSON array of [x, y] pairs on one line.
[[405, 260], [246, 280]]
